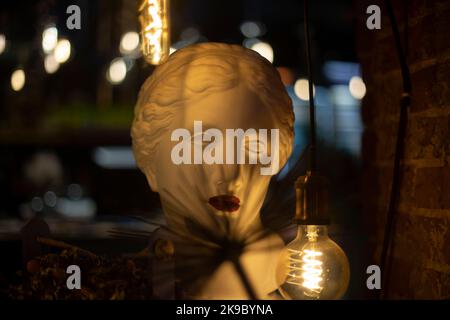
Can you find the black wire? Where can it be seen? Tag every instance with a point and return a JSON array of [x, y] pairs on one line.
[[312, 109], [388, 241], [405, 29]]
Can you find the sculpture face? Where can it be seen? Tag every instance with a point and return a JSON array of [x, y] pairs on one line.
[[193, 185]]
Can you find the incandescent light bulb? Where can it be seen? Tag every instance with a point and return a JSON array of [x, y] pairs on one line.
[[313, 266], [154, 19]]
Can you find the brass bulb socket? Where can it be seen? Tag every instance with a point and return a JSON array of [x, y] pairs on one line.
[[311, 191]]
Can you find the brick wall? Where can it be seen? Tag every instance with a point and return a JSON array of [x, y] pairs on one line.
[[421, 256]]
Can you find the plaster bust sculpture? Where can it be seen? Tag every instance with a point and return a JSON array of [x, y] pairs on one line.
[[222, 87]]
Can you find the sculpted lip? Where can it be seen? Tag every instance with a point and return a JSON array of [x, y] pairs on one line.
[[228, 203]]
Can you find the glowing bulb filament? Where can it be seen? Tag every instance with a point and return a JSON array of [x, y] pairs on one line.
[[305, 270], [312, 269], [154, 19]]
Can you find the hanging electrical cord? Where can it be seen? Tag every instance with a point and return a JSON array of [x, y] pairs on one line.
[[405, 102], [312, 109]]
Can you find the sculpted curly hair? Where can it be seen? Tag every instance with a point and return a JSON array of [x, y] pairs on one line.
[[200, 70]]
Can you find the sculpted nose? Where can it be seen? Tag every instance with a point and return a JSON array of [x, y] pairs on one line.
[[226, 178], [231, 186]]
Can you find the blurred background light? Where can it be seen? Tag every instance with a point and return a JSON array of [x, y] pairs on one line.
[[74, 191], [348, 123], [17, 80], [50, 64], [341, 96], [114, 157], [179, 44], [50, 198], [301, 89], [117, 71], [76, 209], [49, 39], [340, 72], [249, 42], [264, 49], [62, 50], [129, 42], [2, 43], [190, 35], [37, 204], [357, 87], [252, 29]]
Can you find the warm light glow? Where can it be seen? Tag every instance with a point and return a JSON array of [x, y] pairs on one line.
[[62, 51], [313, 266], [18, 80], [154, 19], [49, 39], [2, 43], [50, 64], [357, 87], [306, 272], [263, 49], [117, 71], [312, 270], [129, 42], [301, 89]]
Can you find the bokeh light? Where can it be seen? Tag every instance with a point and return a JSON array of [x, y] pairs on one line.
[[2, 43], [357, 87], [50, 199], [62, 50], [50, 64], [252, 29], [129, 42], [301, 89], [117, 71], [49, 39], [264, 49], [37, 204], [18, 80]]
